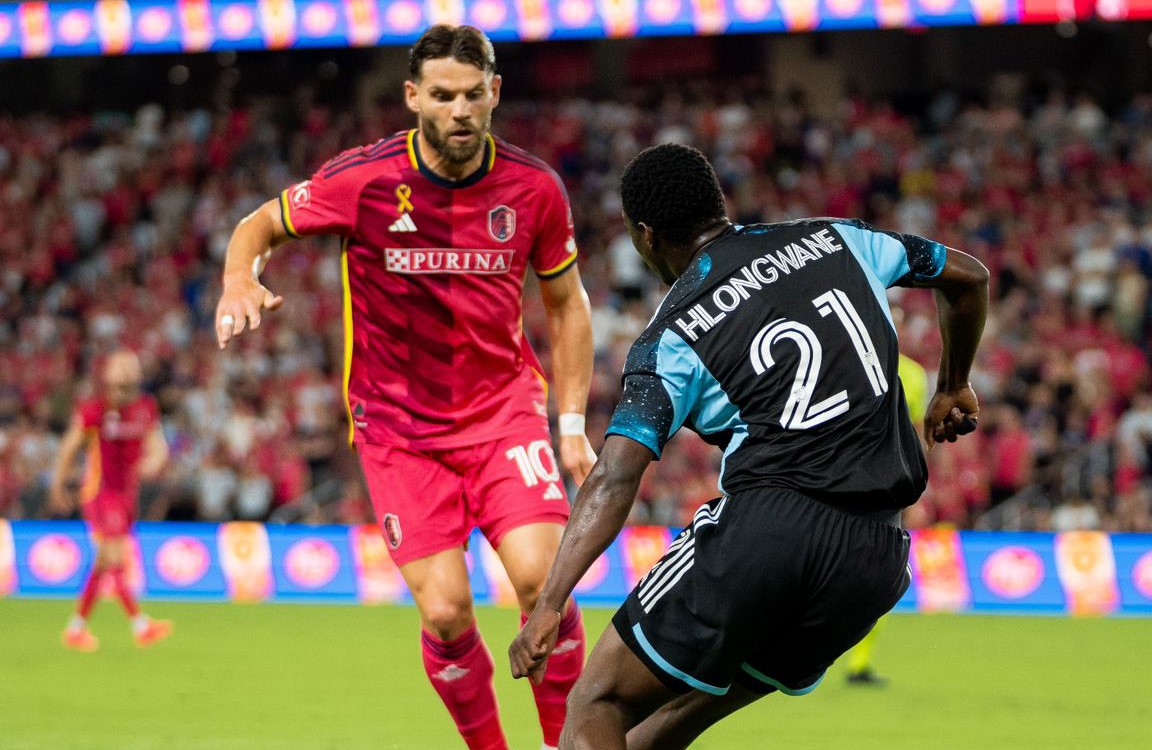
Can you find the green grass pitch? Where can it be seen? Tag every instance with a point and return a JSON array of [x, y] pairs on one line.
[[285, 676]]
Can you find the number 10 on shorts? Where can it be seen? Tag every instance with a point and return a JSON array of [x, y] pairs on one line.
[[535, 461]]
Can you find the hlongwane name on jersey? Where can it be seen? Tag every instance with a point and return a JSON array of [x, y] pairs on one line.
[[762, 271]]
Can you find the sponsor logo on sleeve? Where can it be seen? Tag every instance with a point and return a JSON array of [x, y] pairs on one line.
[[301, 194]]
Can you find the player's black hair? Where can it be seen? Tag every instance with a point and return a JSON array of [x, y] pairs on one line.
[[466, 44], [674, 190]]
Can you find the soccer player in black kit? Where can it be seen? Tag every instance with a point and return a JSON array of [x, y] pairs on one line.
[[775, 343]]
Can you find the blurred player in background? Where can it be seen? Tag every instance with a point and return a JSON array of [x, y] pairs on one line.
[[121, 435], [914, 380], [776, 343], [447, 404]]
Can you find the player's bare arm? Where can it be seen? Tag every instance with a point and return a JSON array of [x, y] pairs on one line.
[[244, 297], [570, 331], [155, 454], [70, 445], [962, 306], [598, 514]]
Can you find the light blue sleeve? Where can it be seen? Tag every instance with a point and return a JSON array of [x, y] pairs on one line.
[[658, 392], [891, 256]]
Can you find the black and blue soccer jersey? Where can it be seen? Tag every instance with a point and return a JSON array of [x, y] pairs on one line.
[[777, 344]]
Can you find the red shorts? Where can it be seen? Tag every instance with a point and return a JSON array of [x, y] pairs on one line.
[[429, 501], [111, 513]]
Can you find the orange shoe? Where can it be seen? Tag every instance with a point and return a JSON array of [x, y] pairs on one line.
[[80, 639], [154, 632]]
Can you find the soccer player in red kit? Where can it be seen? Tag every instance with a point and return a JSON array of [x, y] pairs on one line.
[[446, 401], [120, 432]]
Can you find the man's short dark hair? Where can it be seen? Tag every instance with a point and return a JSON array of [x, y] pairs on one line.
[[466, 44], [673, 189]]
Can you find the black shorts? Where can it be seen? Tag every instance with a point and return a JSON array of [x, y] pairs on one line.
[[765, 588]]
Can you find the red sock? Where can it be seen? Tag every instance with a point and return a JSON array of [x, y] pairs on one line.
[[89, 593], [564, 666], [461, 672], [124, 592]]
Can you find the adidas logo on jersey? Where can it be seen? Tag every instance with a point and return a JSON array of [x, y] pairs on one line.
[[553, 492], [403, 224]]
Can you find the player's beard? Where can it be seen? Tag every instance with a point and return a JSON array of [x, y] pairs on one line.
[[455, 153]]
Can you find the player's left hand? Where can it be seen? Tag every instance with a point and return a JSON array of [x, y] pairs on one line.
[[530, 649], [577, 456]]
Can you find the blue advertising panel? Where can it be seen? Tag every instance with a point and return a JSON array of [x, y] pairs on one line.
[[1012, 571], [1075, 573], [181, 561], [312, 563], [112, 27], [52, 557], [1134, 572]]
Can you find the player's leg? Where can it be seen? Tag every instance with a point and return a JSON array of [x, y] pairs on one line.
[[616, 693], [456, 659], [859, 660], [517, 499], [527, 553], [678, 723], [115, 550], [77, 634], [418, 504]]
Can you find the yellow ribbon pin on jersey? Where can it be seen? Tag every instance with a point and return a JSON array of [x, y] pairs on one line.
[[403, 193]]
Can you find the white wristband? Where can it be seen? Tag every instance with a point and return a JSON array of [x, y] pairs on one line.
[[571, 423]]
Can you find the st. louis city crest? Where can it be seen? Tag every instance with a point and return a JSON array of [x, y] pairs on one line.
[[502, 223]]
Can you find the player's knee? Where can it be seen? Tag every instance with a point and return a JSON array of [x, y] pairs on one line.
[[448, 620], [527, 594], [587, 691]]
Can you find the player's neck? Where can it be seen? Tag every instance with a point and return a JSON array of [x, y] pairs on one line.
[[434, 162], [692, 249]]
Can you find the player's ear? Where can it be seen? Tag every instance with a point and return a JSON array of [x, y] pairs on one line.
[[648, 236], [496, 81], [411, 96]]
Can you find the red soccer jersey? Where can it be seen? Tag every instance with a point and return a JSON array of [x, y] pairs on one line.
[[115, 439], [435, 356]]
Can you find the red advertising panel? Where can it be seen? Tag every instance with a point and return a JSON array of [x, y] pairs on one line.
[[938, 571]]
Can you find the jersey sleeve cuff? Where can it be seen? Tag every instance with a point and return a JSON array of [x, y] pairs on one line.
[[559, 269], [646, 436], [286, 216], [939, 254]]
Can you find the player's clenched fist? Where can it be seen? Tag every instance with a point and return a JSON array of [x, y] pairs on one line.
[[240, 306], [951, 414], [528, 654]]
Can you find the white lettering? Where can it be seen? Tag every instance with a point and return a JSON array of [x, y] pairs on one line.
[[748, 282], [447, 260], [695, 322], [805, 253], [733, 298], [827, 240], [768, 274]]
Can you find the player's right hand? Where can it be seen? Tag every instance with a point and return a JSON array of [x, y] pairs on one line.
[[529, 652], [951, 414], [240, 306]]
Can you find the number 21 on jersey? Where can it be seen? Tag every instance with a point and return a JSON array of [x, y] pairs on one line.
[[799, 411]]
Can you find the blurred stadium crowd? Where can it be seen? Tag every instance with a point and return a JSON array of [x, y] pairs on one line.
[[113, 228]]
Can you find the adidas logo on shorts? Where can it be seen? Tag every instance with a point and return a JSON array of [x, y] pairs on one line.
[[553, 492]]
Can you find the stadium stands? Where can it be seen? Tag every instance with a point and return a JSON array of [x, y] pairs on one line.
[[113, 227]]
